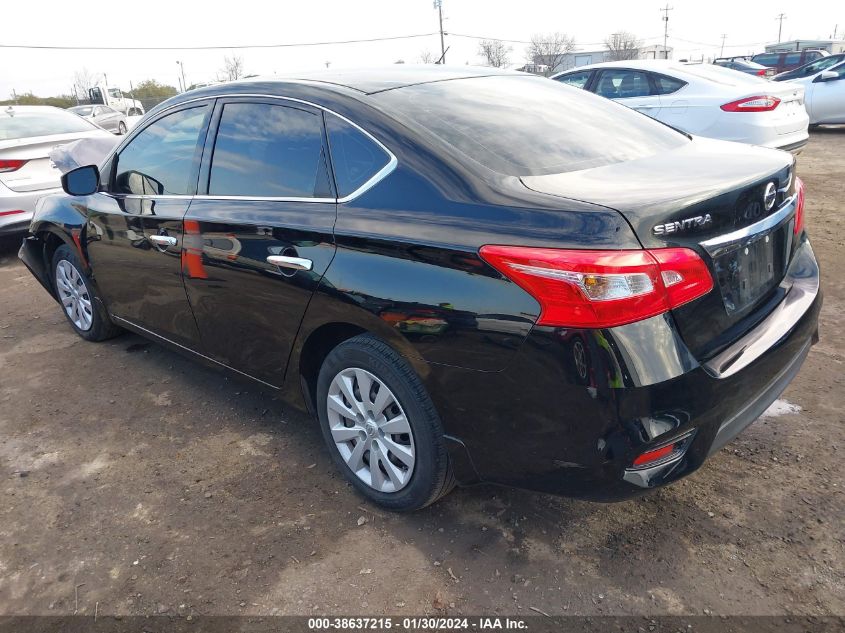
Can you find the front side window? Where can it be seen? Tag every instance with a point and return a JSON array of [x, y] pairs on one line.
[[160, 160], [579, 80], [266, 150], [623, 84], [792, 59], [355, 157]]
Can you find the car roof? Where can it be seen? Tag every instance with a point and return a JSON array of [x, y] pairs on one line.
[[379, 79]]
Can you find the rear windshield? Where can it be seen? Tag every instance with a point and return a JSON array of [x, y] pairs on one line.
[[529, 126], [82, 110], [25, 124]]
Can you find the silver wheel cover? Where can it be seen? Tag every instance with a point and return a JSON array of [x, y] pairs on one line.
[[370, 430], [74, 295]]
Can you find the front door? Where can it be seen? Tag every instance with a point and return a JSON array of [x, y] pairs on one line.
[[134, 235], [259, 234], [828, 98]]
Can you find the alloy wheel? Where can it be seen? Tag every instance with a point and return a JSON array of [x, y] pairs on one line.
[[74, 295], [370, 430]]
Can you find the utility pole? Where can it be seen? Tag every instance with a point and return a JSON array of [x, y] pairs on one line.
[[722, 51], [780, 18], [665, 12], [14, 96], [182, 68], [438, 4]]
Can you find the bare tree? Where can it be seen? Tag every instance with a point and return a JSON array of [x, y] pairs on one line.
[[426, 57], [622, 46], [233, 67], [495, 53], [549, 49], [84, 80]]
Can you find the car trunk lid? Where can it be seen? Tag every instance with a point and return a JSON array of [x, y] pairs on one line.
[[697, 197], [38, 172]]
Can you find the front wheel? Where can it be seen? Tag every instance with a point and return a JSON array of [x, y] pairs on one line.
[[121, 128], [76, 295], [381, 427]]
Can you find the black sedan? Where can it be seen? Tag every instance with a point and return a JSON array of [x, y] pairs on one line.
[[465, 275]]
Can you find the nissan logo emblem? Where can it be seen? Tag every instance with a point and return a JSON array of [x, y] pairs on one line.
[[770, 196]]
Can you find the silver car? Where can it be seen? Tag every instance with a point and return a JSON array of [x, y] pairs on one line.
[[104, 116], [27, 135]]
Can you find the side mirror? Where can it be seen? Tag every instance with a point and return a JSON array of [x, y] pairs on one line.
[[82, 181], [827, 75]]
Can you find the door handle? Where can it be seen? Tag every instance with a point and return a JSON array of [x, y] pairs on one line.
[[162, 240], [296, 263]]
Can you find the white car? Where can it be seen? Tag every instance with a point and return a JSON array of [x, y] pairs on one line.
[[824, 94], [27, 136], [703, 99]]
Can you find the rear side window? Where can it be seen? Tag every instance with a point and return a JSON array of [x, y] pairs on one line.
[[266, 150], [793, 58], [667, 85], [527, 126], [160, 160], [579, 80], [355, 156], [623, 84]]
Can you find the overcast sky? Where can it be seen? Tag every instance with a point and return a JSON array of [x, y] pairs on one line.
[[695, 28]]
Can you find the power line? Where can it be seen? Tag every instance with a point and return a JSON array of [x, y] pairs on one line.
[[210, 48]]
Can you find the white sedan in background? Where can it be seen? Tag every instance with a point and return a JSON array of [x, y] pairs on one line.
[[703, 99], [27, 136], [824, 94]]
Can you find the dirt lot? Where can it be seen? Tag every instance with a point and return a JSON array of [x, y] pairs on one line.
[[137, 481]]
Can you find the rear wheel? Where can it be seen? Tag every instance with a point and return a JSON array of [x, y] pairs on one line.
[[121, 128], [78, 300], [381, 427]]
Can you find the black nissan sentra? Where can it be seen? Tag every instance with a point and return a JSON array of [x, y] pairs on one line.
[[464, 275]]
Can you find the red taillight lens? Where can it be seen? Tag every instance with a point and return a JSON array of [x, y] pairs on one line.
[[761, 72], [653, 456], [596, 289], [752, 104], [799, 206], [7, 164], [12, 212]]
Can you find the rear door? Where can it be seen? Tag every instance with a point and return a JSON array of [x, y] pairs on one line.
[[134, 235], [632, 88], [259, 235]]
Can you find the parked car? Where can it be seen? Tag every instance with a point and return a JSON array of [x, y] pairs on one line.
[[494, 277], [784, 61], [702, 99], [746, 66], [824, 95], [813, 68], [27, 135], [104, 116]]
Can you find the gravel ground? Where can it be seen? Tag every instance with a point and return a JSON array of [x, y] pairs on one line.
[[136, 482]]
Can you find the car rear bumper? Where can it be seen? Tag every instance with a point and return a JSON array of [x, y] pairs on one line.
[[23, 202], [562, 422]]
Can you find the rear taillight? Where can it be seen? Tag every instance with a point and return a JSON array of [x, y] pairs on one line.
[[7, 164], [761, 72], [799, 206], [596, 289], [752, 104]]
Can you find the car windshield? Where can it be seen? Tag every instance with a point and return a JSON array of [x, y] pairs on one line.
[[528, 126], [28, 123], [82, 110], [813, 67]]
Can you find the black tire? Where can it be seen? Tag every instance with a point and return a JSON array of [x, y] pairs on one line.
[[432, 476], [101, 327], [121, 128]]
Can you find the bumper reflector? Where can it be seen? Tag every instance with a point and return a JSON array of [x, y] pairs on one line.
[[13, 212]]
